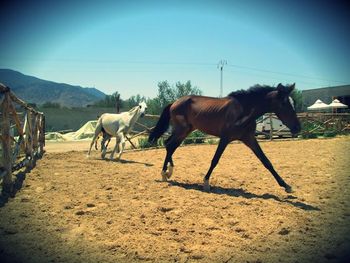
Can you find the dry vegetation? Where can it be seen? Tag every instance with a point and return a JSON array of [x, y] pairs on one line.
[[73, 209]]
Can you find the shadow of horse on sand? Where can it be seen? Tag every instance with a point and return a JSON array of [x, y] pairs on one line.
[[123, 161], [242, 193]]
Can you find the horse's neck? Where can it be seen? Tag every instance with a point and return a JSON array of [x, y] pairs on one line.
[[253, 109], [134, 115]]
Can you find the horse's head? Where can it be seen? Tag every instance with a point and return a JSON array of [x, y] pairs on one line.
[[143, 108], [282, 104]]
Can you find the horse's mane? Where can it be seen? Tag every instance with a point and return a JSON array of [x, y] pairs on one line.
[[256, 91], [133, 108]]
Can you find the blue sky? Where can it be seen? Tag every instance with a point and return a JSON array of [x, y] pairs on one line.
[[129, 46]]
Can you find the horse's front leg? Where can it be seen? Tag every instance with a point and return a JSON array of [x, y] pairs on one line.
[[171, 145], [121, 145], [252, 143], [221, 147]]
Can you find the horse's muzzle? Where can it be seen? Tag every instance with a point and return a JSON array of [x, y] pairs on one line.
[[295, 129], [142, 115]]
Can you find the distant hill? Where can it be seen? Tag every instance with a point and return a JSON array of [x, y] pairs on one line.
[[35, 90]]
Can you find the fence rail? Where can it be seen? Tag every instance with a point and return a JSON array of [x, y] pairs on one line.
[[22, 150], [321, 122], [313, 123]]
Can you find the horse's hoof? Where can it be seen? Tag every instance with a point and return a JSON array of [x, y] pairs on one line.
[[206, 186], [170, 171], [288, 189], [164, 176]]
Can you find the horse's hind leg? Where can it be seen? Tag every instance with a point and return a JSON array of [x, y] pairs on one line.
[[103, 148], [252, 143], [221, 147], [97, 132], [105, 137], [108, 141], [96, 148], [116, 147], [171, 145]]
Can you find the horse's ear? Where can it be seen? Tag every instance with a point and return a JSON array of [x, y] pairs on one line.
[[289, 88], [292, 87], [285, 90], [281, 90]]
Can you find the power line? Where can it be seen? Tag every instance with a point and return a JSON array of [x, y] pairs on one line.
[[220, 65], [284, 73], [271, 77]]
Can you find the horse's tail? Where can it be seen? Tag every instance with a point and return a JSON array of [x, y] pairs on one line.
[[162, 125], [98, 130]]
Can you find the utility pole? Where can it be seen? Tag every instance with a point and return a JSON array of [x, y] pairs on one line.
[[221, 65]]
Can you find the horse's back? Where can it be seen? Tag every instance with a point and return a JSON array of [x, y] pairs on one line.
[[199, 104], [112, 122], [207, 114]]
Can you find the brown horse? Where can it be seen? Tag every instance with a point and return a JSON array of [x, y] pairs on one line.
[[230, 118]]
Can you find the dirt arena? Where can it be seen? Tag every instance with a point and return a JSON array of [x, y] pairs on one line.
[[73, 209]]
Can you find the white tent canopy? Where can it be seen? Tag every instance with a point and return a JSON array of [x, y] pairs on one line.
[[87, 131], [318, 105], [336, 104]]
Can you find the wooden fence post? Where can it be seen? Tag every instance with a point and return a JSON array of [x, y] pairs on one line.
[[35, 134], [41, 134], [29, 139], [7, 183], [271, 126]]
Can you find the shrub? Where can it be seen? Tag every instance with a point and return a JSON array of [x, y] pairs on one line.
[[143, 143], [212, 141], [306, 135], [330, 134], [195, 137]]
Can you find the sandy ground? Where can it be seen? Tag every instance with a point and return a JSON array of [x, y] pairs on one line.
[[82, 145], [73, 209]]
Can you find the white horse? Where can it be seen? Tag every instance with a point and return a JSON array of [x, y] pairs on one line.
[[117, 125]]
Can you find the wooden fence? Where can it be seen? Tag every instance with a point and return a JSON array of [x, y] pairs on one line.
[[312, 123], [18, 118], [315, 123]]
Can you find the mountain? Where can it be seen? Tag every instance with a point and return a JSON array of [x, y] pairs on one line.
[[35, 90]]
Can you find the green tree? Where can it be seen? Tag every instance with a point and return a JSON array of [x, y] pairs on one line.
[[184, 89], [135, 100], [296, 95], [168, 94], [110, 101], [153, 106]]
